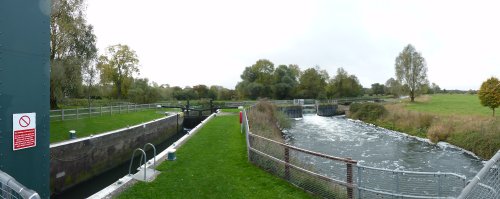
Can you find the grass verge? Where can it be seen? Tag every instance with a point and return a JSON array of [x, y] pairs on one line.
[[473, 130], [450, 104], [213, 164], [99, 124]]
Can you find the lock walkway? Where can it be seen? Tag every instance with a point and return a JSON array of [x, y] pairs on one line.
[[214, 164]]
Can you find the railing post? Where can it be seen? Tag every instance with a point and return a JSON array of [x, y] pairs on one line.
[[62, 114], [111, 110], [90, 111], [76, 113], [287, 162], [397, 182], [360, 179], [100, 109], [349, 180], [439, 185]]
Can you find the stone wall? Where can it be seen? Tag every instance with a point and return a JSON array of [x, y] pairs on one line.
[[291, 111], [327, 110], [78, 160]]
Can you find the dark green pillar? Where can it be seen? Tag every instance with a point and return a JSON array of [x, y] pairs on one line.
[[24, 88]]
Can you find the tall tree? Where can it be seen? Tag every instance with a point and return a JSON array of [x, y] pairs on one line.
[[312, 83], [257, 80], [285, 81], [72, 46], [378, 89], [117, 66], [344, 85], [393, 87], [411, 70], [489, 93], [89, 77]]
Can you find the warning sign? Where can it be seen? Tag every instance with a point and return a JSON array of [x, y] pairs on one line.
[[24, 130]]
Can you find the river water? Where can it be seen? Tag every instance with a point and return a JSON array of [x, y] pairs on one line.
[[378, 147]]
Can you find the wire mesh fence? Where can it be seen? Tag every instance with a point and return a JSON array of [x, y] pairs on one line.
[[382, 183], [486, 184], [79, 113]]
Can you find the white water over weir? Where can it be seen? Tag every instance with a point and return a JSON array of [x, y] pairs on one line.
[[385, 164]]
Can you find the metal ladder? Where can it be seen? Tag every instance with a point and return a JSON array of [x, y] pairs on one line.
[[143, 160]]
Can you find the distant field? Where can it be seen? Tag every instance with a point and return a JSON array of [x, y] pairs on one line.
[[449, 104], [59, 130]]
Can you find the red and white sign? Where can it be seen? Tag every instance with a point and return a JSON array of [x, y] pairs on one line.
[[24, 130]]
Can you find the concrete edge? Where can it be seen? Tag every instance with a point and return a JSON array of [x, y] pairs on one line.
[[127, 181], [107, 133]]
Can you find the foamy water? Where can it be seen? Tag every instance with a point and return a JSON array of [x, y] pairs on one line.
[[379, 147]]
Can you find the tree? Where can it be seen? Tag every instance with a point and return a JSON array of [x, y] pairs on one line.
[[344, 85], [118, 66], [72, 46], [393, 87], [201, 90], [257, 80], [411, 70], [312, 83], [378, 89], [489, 93], [285, 81], [89, 76], [435, 88], [142, 92]]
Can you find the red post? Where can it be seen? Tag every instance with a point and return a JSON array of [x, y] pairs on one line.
[[241, 117]]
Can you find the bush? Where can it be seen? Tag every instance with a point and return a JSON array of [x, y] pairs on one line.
[[367, 111]]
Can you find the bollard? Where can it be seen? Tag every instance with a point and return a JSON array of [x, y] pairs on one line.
[[72, 134], [171, 154]]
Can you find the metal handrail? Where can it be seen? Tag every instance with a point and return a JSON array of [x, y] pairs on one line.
[[143, 156], [154, 152], [8, 184], [346, 160], [475, 181]]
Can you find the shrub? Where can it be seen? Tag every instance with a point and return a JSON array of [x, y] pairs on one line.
[[367, 111]]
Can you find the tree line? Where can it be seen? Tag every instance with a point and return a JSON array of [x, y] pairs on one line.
[[264, 80], [79, 71]]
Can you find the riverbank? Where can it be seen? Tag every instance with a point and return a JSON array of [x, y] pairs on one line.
[[214, 164], [473, 132]]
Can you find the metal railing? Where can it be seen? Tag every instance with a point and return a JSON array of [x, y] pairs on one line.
[[334, 177], [79, 113], [486, 184], [11, 189]]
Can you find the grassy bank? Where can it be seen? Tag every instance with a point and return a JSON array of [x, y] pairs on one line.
[[450, 104], [99, 124], [213, 164], [454, 122]]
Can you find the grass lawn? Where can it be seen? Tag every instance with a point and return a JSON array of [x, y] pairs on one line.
[[230, 110], [449, 104], [99, 124], [213, 164]]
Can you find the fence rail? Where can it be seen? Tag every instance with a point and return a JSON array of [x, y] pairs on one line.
[[79, 113], [11, 189], [335, 177], [486, 184]]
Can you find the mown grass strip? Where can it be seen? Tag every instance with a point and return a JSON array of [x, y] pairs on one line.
[[451, 104], [213, 164], [99, 124]]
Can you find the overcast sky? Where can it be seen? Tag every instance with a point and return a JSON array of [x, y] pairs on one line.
[[185, 43]]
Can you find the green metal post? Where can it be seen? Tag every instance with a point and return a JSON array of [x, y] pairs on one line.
[[24, 90]]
